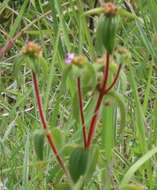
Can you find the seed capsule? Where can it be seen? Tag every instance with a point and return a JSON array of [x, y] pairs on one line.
[[106, 32], [106, 29], [32, 49], [109, 32]]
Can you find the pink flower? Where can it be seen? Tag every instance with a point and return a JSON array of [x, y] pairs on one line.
[[69, 58]]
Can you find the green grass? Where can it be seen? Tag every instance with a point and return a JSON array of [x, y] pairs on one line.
[[123, 156]]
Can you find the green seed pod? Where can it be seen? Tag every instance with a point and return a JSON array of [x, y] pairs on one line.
[[99, 36], [39, 143], [105, 34], [78, 163], [109, 32]]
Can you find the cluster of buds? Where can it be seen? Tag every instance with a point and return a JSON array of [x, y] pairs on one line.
[[110, 9], [32, 49]]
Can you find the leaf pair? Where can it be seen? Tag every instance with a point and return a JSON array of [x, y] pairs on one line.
[[83, 162]]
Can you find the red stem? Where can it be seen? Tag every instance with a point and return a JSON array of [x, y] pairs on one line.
[[100, 98], [44, 123], [81, 111], [114, 80]]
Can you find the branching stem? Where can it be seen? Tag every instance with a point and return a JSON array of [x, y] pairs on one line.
[[114, 80], [99, 101]]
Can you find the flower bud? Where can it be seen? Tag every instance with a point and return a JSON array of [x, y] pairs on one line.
[[110, 9], [32, 49], [78, 60]]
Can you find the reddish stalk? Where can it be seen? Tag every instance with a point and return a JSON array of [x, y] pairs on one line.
[[99, 101], [44, 123], [81, 111], [114, 80]]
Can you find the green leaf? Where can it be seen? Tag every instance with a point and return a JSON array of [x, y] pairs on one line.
[[14, 27], [79, 184], [94, 11], [25, 175], [107, 139], [94, 155], [119, 100], [129, 174], [75, 107], [152, 6], [133, 186], [140, 119], [54, 116], [17, 70], [123, 13], [66, 73], [58, 137], [42, 63], [68, 149], [123, 82], [78, 163], [88, 78], [38, 138]]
